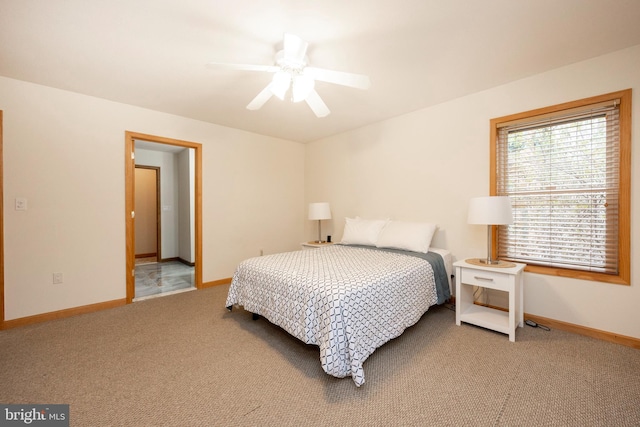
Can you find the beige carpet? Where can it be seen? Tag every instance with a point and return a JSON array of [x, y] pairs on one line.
[[183, 360]]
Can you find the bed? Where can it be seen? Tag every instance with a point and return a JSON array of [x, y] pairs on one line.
[[346, 299]]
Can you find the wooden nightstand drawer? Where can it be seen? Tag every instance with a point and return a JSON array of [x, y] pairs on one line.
[[486, 279]]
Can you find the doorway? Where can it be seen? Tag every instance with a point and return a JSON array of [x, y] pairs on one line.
[[162, 144]]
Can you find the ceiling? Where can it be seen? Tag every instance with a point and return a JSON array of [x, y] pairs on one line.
[[418, 53]]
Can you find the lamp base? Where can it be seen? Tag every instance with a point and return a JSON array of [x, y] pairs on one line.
[[489, 261]]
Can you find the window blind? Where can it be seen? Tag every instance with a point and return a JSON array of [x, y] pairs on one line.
[[562, 174]]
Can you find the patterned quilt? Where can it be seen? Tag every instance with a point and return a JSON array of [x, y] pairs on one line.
[[346, 300]]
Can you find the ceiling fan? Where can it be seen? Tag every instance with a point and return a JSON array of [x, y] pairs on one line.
[[291, 71]]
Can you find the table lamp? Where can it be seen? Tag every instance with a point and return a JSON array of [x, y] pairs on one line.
[[489, 211], [319, 211]]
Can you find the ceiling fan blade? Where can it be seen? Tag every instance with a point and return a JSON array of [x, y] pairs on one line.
[[244, 67], [358, 81], [261, 98], [295, 48], [317, 105]]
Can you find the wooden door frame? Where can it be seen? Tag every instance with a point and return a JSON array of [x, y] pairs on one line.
[[158, 209], [129, 173], [1, 228]]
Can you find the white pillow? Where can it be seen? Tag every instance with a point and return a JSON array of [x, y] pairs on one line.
[[359, 231], [410, 236]]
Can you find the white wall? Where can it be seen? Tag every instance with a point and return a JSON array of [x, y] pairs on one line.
[[186, 195], [428, 164], [64, 152]]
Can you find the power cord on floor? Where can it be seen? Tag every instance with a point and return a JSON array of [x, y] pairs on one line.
[[533, 324]]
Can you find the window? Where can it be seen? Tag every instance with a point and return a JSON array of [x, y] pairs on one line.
[[567, 170]]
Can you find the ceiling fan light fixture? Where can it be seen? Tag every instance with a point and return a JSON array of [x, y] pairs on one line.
[[292, 71], [302, 87], [280, 83]]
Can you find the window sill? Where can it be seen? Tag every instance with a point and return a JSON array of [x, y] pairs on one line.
[[577, 274]]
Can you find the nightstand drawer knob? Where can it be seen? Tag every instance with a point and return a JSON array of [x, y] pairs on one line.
[[488, 279]]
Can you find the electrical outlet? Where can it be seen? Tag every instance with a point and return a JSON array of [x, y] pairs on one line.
[[57, 278]]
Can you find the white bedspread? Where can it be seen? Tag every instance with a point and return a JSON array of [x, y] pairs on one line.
[[347, 301]]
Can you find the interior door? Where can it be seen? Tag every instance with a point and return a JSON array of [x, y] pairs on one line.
[[147, 203]]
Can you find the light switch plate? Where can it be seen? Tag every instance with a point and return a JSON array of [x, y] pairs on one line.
[[21, 204]]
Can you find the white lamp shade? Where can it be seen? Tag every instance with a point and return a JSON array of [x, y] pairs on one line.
[[302, 87], [319, 211], [490, 210], [280, 83]]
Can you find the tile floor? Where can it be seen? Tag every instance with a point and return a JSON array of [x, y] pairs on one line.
[[162, 278]]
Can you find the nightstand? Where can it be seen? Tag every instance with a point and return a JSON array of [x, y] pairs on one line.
[[508, 279], [313, 245]]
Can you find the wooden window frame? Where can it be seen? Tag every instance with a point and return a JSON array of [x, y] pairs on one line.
[[624, 221]]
